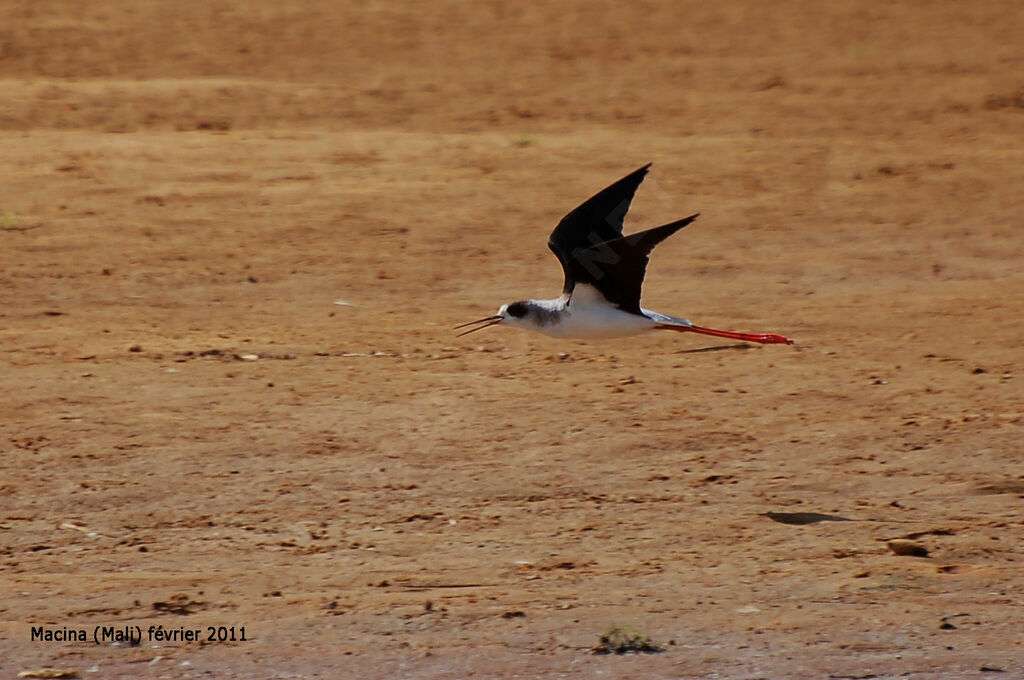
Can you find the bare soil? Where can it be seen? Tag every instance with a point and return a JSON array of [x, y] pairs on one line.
[[236, 235]]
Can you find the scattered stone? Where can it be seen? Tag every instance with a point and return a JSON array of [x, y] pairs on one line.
[[907, 548], [618, 641], [178, 604], [513, 615], [50, 673], [801, 518], [713, 479]]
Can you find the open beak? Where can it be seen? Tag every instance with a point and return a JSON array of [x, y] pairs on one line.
[[484, 323]]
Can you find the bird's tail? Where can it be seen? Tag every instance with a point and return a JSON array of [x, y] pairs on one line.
[[666, 319]]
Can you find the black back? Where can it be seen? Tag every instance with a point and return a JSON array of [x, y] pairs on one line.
[[596, 220]]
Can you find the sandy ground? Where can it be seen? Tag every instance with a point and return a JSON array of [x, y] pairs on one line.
[[235, 238]]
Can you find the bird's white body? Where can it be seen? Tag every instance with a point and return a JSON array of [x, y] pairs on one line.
[[586, 315]]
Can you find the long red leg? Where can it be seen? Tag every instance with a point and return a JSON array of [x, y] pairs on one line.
[[763, 338]]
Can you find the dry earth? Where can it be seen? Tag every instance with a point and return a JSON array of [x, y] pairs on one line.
[[197, 432]]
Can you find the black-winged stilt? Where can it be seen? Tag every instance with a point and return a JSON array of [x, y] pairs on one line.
[[604, 272]]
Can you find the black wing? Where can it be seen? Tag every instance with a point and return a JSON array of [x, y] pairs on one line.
[[597, 220], [616, 268]]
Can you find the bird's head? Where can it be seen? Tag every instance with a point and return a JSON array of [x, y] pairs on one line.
[[512, 313]]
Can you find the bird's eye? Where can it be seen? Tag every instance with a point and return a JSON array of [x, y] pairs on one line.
[[517, 309]]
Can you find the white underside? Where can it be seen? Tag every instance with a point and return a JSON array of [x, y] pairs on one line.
[[589, 315]]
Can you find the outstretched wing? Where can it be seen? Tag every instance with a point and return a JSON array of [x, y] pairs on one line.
[[597, 220], [616, 267]]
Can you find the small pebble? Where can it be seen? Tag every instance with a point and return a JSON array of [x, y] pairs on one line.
[[902, 546]]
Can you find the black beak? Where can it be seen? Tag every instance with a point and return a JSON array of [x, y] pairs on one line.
[[489, 321]]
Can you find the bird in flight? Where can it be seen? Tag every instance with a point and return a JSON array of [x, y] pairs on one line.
[[604, 272]]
